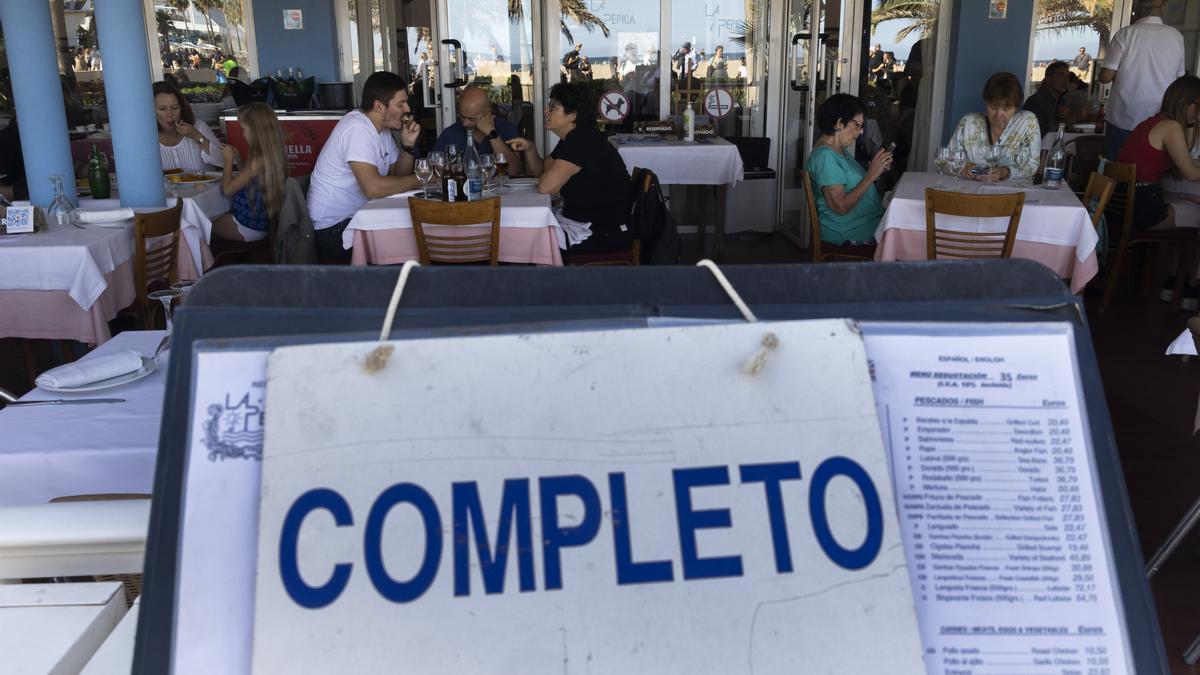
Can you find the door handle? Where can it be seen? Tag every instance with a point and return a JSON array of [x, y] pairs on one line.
[[460, 75], [796, 86]]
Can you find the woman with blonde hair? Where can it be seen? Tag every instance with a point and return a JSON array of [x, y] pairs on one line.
[[256, 192]]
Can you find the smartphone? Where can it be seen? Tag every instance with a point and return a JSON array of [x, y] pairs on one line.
[[978, 170], [891, 147]]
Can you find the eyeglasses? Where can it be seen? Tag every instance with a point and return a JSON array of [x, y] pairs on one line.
[[856, 123], [464, 118], [553, 105]]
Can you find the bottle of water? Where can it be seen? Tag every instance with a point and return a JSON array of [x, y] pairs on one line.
[[689, 123], [474, 184], [1053, 177]]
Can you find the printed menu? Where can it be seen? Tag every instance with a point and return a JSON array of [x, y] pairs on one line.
[[997, 498]]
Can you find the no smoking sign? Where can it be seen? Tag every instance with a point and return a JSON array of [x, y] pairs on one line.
[[718, 103]]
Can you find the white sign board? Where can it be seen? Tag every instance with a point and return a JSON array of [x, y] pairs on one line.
[[613, 106], [610, 501], [293, 19], [997, 496], [718, 102]]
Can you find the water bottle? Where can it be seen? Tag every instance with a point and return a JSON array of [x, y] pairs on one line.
[[689, 123], [98, 179], [474, 183], [1055, 161]]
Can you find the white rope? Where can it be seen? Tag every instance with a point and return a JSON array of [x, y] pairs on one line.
[[728, 288], [395, 301]]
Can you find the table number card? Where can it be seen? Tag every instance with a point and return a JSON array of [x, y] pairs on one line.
[[19, 220]]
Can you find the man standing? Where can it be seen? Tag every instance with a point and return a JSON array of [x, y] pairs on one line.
[[1047, 103], [488, 132], [875, 60], [360, 161], [1143, 59], [571, 63], [1082, 62]]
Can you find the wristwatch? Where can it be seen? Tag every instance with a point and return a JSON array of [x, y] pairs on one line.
[[410, 149], [493, 135]]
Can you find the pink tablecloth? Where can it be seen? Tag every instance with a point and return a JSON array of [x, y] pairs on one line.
[[517, 245], [900, 244]]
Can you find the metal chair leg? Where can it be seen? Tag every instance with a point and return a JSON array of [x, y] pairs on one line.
[[1177, 535], [1192, 654]]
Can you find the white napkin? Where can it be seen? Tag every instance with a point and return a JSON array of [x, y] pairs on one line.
[[88, 371], [103, 216], [1183, 345], [570, 232]]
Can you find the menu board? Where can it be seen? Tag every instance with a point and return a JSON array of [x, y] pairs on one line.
[[997, 498]]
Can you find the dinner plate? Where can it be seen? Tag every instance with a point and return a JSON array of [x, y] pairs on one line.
[[209, 177], [148, 366]]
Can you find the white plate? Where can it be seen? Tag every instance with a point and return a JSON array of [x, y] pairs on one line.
[[148, 366], [209, 177]]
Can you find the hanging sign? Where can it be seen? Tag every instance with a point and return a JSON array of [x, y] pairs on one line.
[[718, 103], [581, 501], [293, 19], [613, 106]]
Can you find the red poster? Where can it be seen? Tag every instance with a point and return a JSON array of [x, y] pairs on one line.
[[302, 140]]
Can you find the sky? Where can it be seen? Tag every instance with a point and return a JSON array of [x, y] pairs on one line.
[[1065, 45]]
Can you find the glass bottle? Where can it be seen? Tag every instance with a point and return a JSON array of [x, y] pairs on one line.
[[1055, 161], [98, 178]]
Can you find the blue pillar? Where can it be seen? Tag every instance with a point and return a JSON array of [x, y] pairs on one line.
[[122, 32], [29, 40]]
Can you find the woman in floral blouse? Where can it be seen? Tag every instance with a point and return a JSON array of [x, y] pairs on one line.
[[1005, 123]]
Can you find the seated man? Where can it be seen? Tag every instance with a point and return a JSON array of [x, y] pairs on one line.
[[487, 131], [360, 161], [1047, 103]]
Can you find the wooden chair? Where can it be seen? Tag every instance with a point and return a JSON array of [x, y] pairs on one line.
[[1087, 155], [1121, 228], [633, 255], [943, 243], [155, 256], [466, 245], [825, 251], [1096, 196]]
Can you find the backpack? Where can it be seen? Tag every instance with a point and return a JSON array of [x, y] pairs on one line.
[[294, 238], [652, 221]]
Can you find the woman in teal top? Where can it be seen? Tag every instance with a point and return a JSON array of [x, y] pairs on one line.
[[847, 202]]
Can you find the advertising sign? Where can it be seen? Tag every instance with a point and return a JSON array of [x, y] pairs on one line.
[[302, 140]]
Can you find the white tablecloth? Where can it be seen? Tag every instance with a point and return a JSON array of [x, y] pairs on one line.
[[52, 451], [680, 163], [1049, 217], [518, 209], [75, 260]]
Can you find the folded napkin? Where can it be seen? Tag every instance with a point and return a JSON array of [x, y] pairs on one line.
[[1183, 345], [87, 371], [570, 232], [103, 216]]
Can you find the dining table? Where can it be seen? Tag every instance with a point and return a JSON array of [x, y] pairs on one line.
[[69, 449], [381, 232], [1055, 229], [68, 281]]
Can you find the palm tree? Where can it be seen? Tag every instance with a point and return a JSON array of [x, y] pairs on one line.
[[921, 16], [1054, 16], [576, 10]]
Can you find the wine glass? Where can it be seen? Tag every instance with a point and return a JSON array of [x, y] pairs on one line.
[[60, 209], [423, 172], [502, 167], [183, 287], [487, 165], [942, 159], [994, 156], [437, 161], [166, 297]]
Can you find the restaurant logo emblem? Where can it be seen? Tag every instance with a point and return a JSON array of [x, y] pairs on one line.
[[234, 431]]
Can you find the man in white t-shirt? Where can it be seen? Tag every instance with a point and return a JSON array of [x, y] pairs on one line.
[[1142, 60], [360, 161]]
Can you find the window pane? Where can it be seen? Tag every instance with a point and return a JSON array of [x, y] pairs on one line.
[[614, 45], [497, 45]]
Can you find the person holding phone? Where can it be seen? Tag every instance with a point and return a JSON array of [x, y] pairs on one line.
[[848, 204], [1016, 131]]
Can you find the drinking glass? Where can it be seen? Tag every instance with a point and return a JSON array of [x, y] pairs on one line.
[[437, 161], [994, 157], [60, 209], [502, 167], [942, 159], [183, 287], [958, 160], [487, 164], [166, 297], [423, 172]]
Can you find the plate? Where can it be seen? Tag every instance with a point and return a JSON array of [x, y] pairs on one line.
[[192, 178], [523, 181], [148, 366]]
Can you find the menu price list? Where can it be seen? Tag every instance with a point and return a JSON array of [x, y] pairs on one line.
[[1001, 527]]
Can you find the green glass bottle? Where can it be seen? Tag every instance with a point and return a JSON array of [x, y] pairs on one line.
[[98, 176]]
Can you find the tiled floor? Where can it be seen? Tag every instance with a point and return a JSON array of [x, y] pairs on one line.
[[1151, 398]]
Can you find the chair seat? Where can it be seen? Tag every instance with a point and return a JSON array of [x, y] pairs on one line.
[[240, 252], [1166, 234]]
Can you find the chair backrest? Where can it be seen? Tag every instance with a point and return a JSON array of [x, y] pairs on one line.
[[942, 242], [156, 248], [1095, 197], [810, 201], [1120, 205], [456, 237], [1088, 151]]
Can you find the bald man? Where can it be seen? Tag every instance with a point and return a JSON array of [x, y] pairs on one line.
[[487, 131]]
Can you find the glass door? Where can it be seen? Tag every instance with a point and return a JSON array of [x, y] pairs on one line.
[[825, 57]]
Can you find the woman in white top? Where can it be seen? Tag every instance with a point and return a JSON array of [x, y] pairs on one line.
[[183, 143]]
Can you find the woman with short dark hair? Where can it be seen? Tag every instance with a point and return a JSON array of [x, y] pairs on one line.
[[848, 205], [585, 168], [1004, 123]]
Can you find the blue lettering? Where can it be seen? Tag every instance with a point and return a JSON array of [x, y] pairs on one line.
[[467, 510], [554, 537], [312, 597], [695, 567], [628, 571], [403, 591], [770, 475], [864, 554]]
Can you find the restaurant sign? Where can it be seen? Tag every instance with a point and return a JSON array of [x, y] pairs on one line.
[[303, 139], [709, 498]]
